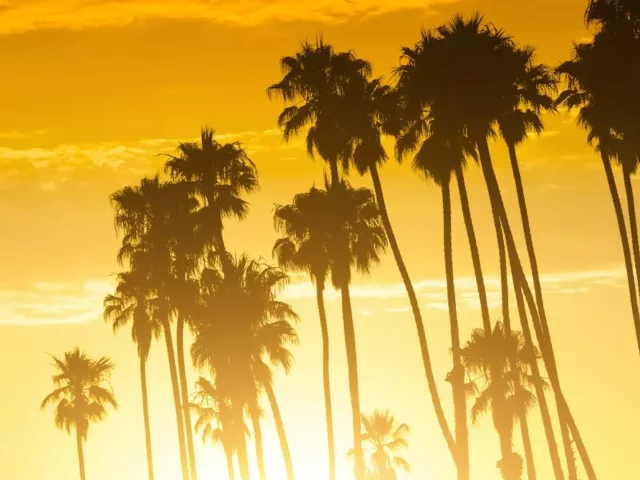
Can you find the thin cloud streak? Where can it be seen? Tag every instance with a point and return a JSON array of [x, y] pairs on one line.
[[25, 15]]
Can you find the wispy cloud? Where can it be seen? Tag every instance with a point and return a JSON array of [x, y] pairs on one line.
[[24, 15], [47, 303]]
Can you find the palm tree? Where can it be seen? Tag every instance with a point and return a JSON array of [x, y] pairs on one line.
[[384, 437], [219, 175], [240, 327], [497, 389], [147, 215], [130, 303], [212, 406], [441, 153], [80, 396], [305, 248]]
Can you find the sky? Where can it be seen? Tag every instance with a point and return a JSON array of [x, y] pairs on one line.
[[93, 91]]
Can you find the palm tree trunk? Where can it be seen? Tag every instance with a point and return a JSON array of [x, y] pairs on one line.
[[633, 225], [571, 466], [228, 453], [417, 315], [526, 445], [475, 252], [325, 377], [80, 455], [352, 367], [145, 414], [457, 374], [243, 457], [257, 436], [282, 435], [176, 398], [492, 187], [184, 391], [505, 438], [520, 278]]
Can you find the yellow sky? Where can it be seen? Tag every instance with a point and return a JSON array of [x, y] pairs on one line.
[[91, 91]]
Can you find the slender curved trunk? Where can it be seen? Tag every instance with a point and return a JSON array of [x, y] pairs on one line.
[[80, 455], [325, 378], [257, 436], [228, 453], [505, 437], [352, 367], [282, 435], [241, 452], [544, 409], [522, 203], [176, 398], [519, 276], [457, 374], [475, 252], [526, 445], [633, 225], [145, 414], [417, 315], [184, 393]]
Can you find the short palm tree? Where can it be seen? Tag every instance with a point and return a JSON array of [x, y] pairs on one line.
[[80, 395], [215, 420], [130, 303], [499, 387], [305, 247], [241, 326], [383, 437]]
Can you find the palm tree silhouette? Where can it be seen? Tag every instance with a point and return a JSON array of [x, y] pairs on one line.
[[241, 327], [79, 395], [219, 175], [384, 437], [305, 247], [497, 389], [212, 406], [130, 303], [147, 216]]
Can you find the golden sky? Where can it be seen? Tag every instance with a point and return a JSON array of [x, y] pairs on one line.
[[92, 91]]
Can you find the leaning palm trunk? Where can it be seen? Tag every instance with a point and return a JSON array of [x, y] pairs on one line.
[[228, 453], [241, 442], [80, 455], [282, 435], [571, 466], [413, 301], [176, 398], [145, 414], [257, 436], [526, 445], [325, 377], [633, 225], [521, 281], [457, 374], [352, 367], [505, 435], [184, 391]]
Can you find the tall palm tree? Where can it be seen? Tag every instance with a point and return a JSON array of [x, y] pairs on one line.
[[130, 303], [216, 421], [219, 175], [597, 78], [497, 390], [304, 247], [147, 216], [239, 328], [80, 395], [440, 154], [384, 437]]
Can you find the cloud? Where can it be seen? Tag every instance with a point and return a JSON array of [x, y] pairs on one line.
[[49, 303], [24, 15]]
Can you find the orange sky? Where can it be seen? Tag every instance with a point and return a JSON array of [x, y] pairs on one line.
[[91, 91]]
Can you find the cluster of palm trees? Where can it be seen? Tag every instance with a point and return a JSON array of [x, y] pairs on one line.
[[460, 86]]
